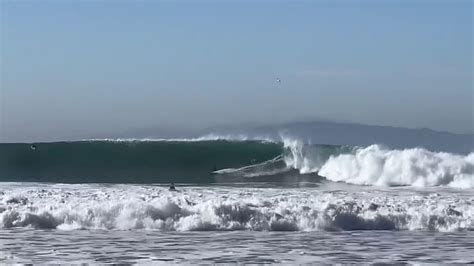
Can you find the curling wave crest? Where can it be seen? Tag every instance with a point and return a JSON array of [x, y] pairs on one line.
[[127, 207]]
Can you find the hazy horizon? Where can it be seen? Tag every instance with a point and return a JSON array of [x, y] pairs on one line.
[[341, 130], [73, 70]]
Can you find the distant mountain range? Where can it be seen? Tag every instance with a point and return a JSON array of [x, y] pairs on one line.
[[323, 132], [327, 132]]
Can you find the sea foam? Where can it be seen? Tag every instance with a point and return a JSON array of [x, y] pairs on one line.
[[381, 166], [375, 165], [128, 207]]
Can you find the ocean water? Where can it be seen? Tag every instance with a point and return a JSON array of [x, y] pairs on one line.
[[40, 246], [247, 201]]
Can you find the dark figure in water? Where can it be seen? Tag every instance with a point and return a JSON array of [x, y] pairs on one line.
[[33, 147], [214, 169], [172, 186]]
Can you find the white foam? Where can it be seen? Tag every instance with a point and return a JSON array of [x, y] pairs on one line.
[[128, 207], [375, 165], [380, 166], [298, 158], [267, 168]]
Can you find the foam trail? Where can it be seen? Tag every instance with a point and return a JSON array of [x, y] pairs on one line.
[[267, 168], [375, 165]]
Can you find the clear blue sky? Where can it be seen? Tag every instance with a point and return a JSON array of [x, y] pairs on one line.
[[73, 69]]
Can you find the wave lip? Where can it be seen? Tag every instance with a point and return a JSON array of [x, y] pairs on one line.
[[207, 137], [375, 165]]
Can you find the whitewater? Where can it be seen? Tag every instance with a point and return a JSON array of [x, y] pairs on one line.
[[223, 208], [238, 199], [381, 166]]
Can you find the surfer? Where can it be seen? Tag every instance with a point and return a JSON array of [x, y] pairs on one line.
[[33, 147], [172, 188]]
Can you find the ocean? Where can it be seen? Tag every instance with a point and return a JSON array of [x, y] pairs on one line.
[[236, 201]]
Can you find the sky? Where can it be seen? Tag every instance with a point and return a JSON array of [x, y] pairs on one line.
[[79, 69]]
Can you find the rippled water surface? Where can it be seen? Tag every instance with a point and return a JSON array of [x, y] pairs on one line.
[[55, 246]]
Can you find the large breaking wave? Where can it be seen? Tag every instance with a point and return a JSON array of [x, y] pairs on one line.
[[215, 158]]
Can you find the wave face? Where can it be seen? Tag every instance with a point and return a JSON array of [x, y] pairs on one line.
[[125, 161], [131, 207], [208, 160]]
